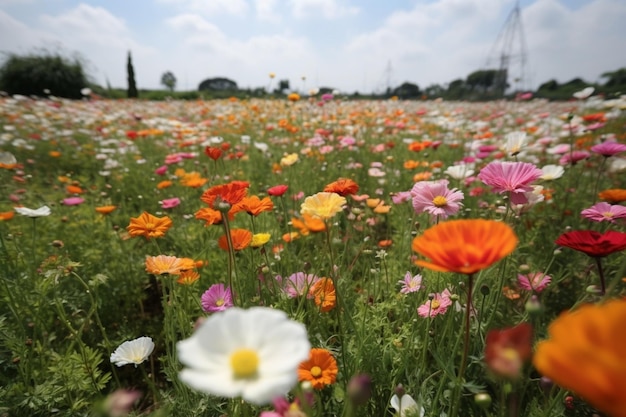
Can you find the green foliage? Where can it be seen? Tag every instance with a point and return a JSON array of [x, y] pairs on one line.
[[42, 74], [131, 92], [168, 80]]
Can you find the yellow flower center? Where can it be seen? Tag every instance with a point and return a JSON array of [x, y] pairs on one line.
[[440, 201], [149, 226], [219, 302], [607, 214], [316, 371], [245, 363], [510, 354], [434, 304]]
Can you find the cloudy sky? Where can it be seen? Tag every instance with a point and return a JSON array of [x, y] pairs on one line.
[[349, 45]]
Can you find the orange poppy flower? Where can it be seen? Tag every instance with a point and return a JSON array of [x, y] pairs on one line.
[[422, 176], [209, 215], [613, 196], [241, 238], [343, 187], [6, 215], [585, 354], [320, 369], [148, 226], [308, 224], [213, 152], [411, 164], [323, 292], [193, 180], [163, 265], [105, 209], [164, 184], [254, 205], [73, 189], [231, 193], [188, 277], [465, 246]]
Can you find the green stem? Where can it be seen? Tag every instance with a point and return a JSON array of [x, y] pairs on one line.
[[466, 329]]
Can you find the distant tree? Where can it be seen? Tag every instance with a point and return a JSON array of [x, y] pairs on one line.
[[132, 85], [282, 86], [615, 78], [168, 80], [576, 83], [434, 90], [551, 85], [407, 90], [456, 89], [218, 84], [43, 74]]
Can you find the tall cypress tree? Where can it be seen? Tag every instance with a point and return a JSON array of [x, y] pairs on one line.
[[132, 86]]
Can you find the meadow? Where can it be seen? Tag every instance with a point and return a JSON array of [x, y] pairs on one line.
[[312, 256]]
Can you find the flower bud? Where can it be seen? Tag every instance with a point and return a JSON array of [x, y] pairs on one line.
[[533, 305], [360, 389], [483, 400]]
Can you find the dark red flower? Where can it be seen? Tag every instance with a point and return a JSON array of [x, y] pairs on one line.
[[506, 350], [213, 153], [594, 244], [277, 190]]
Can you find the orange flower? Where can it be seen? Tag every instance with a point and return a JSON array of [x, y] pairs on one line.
[[465, 246], [193, 180], [163, 265], [323, 291], [241, 238], [231, 193], [254, 205], [411, 164], [188, 277], [613, 196], [105, 209], [422, 176], [6, 215], [148, 226], [343, 187], [320, 369], [209, 215], [293, 97], [585, 354], [308, 224], [164, 184], [54, 154], [73, 189]]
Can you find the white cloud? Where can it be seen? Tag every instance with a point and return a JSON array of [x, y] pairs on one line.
[[211, 7], [329, 9], [266, 10]]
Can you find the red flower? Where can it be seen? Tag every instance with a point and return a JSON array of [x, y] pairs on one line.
[[213, 153], [506, 350], [594, 244], [277, 190]]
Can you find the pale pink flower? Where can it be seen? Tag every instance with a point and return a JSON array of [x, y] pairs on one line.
[[297, 284], [607, 149], [410, 283], [169, 203], [604, 212], [73, 201], [512, 177], [536, 281], [438, 305], [573, 157], [401, 197], [435, 198]]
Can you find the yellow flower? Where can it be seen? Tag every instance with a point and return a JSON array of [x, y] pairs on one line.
[[585, 354], [323, 205], [289, 159], [260, 239]]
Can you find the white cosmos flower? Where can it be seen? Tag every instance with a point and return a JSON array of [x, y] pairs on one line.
[[515, 142], [460, 171], [584, 93], [133, 351], [253, 354], [40, 212], [405, 405], [552, 172]]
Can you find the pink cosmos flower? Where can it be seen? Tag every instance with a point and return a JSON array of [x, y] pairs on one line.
[[216, 298], [604, 212], [607, 149], [297, 284], [573, 158], [73, 201], [401, 197], [511, 177], [169, 203], [410, 283], [438, 305], [161, 170], [435, 198], [536, 281]]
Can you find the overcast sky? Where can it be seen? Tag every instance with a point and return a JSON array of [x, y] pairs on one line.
[[349, 45]]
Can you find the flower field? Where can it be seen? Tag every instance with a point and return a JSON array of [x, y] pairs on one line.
[[312, 257]]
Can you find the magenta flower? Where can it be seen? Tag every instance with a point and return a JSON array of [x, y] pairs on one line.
[[169, 203], [573, 158], [438, 305], [604, 212], [216, 298], [512, 177], [435, 198], [410, 283], [536, 281], [73, 201], [297, 284], [161, 170], [607, 149]]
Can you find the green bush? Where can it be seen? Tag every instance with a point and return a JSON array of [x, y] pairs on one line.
[[34, 74]]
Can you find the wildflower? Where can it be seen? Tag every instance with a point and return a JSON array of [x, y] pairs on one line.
[[188, 277], [289, 160], [253, 354], [308, 224], [164, 184], [460, 172], [604, 212], [40, 212], [608, 149], [359, 389], [323, 291], [536, 281], [231, 193], [164, 265], [410, 283], [240, 239], [343, 187], [551, 172], [506, 350], [515, 142], [573, 157], [213, 152], [585, 354], [406, 405], [120, 402], [260, 239], [169, 203], [298, 284], [584, 93], [465, 246], [216, 298], [320, 369], [106, 209], [73, 201], [209, 215], [148, 226], [437, 305], [277, 190], [6, 215], [133, 351], [254, 205], [435, 198], [594, 244], [323, 205], [293, 97], [74, 189], [511, 177]]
